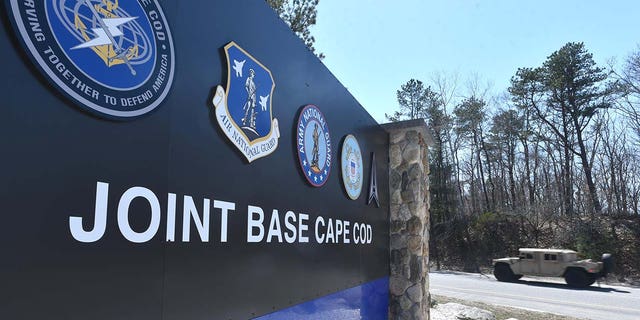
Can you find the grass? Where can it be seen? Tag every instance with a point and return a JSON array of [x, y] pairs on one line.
[[500, 312]]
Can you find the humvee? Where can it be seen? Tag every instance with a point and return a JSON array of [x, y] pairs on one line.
[[552, 263]]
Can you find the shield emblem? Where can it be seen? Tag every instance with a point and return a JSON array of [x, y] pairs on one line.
[[244, 110]]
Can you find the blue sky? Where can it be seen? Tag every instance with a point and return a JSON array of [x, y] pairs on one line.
[[373, 47]]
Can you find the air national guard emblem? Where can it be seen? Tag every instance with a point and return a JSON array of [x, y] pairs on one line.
[[314, 145], [244, 110], [351, 164], [113, 57]]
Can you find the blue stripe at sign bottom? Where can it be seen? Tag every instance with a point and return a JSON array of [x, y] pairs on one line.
[[368, 301]]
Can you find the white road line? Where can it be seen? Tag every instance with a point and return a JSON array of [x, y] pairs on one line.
[[520, 297]]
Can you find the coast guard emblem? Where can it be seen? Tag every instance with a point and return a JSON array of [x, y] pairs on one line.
[[351, 164], [244, 110], [113, 58], [314, 145]]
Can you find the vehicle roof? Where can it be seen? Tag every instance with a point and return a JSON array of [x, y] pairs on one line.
[[546, 250]]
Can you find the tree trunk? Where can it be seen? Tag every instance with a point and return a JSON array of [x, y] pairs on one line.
[[512, 180], [568, 157], [490, 205], [586, 167], [481, 171]]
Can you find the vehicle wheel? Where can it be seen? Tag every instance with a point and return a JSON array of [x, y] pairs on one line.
[[517, 277], [503, 273], [578, 278]]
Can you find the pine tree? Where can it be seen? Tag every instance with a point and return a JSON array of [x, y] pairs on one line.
[[299, 15]]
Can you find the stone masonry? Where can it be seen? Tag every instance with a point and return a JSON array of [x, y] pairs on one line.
[[409, 219]]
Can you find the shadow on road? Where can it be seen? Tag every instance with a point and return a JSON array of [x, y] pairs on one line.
[[536, 283], [566, 287]]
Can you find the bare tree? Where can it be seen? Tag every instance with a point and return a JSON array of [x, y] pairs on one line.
[[627, 85]]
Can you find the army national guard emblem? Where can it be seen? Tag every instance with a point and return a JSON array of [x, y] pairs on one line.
[[351, 164], [314, 145], [113, 57], [244, 110]]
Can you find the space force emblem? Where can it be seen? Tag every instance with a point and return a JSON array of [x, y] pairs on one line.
[[243, 109], [314, 145], [351, 165], [113, 58]]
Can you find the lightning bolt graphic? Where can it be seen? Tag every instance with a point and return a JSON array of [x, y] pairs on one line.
[[108, 29], [102, 37]]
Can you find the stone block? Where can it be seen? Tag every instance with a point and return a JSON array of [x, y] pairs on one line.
[[404, 180], [411, 153], [400, 262], [395, 180], [394, 309], [405, 303], [404, 213], [414, 206], [425, 284], [398, 285], [395, 256], [414, 226], [402, 168], [416, 269], [414, 244], [415, 293], [394, 209], [417, 312], [415, 172], [396, 197], [412, 137], [396, 226], [398, 241], [396, 137], [411, 192], [395, 156]]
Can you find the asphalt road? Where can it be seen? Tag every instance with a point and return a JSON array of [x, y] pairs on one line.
[[551, 295]]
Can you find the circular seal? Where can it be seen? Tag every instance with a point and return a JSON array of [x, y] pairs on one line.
[[113, 58], [351, 164], [314, 145]]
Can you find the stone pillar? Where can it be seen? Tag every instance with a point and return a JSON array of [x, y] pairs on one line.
[[409, 219]]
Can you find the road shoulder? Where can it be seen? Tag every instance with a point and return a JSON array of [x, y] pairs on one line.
[[501, 312]]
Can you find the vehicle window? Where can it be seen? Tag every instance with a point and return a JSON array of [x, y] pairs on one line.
[[550, 257], [529, 256]]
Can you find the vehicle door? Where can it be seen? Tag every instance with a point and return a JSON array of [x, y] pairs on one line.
[[528, 264], [551, 264]]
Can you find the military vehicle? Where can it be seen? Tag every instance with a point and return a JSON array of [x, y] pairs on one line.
[[552, 263]]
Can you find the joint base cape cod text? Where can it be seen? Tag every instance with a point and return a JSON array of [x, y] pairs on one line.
[[274, 227]]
